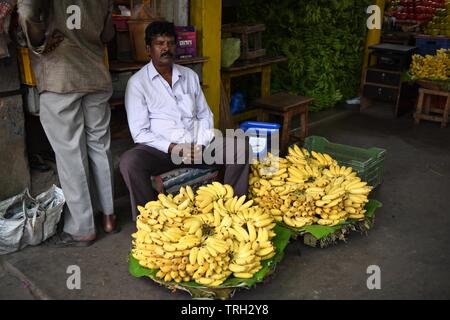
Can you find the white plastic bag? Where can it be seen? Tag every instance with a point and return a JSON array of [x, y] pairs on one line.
[[12, 221], [52, 203], [34, 218], [27, 221]]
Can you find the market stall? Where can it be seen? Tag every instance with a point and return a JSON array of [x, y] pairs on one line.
[[211, 243]]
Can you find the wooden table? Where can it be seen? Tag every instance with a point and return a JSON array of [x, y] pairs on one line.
[[261, 65]]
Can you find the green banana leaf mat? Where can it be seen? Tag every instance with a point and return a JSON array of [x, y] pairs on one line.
[[325, 235], [228, 288], [281, 240]]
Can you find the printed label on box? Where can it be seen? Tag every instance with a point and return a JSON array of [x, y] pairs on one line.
[[187, 42]]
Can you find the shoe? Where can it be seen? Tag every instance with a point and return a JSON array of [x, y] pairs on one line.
[[110, 224], [38, 163], [64, 240]]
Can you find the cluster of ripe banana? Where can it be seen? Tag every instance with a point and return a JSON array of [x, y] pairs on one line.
[[205, 237], [433, 67], [308, 188]]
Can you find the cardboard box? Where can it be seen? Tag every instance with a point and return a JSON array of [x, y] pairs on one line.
[[187, 42]]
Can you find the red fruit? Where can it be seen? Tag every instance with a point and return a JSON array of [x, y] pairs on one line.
[[402, 16]]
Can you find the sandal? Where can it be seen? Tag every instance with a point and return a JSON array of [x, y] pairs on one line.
[[64, 240], [38, 163], [110, 225]]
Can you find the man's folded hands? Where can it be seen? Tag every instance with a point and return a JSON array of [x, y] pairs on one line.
[[188, 153]]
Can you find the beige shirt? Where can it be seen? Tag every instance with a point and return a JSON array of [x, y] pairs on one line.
[[77, 64]]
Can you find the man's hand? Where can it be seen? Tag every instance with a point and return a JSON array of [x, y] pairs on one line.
[[53, 42], [196, 154], [171, 146], [189, 153]]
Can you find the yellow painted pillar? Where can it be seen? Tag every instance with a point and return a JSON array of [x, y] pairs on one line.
[[206, 16], [373, 37]]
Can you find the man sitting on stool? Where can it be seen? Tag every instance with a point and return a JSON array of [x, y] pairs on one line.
[[169, 117]]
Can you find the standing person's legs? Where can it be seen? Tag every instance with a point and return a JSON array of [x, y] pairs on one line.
[[97, 115], [62, 118], [137, 166]]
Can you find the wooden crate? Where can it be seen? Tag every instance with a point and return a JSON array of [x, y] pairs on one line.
[[251, 39]]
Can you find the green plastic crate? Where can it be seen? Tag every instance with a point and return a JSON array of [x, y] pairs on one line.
[[368, 163]]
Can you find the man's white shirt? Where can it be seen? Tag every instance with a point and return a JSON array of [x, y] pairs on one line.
[[159, 115]]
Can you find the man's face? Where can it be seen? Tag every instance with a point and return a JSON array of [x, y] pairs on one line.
[[162, 50]]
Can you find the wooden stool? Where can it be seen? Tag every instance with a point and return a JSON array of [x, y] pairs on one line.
[[421, 113], [286, 106]]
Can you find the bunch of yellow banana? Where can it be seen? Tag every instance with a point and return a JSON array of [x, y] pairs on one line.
[[207, 195], [342, 199], [247, 255], [204, 237], [316, 190], [306, 176], [432, 67], [208, 263], [303, 157], [272, 168]]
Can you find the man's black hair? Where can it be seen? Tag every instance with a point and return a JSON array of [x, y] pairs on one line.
[[159, 28]]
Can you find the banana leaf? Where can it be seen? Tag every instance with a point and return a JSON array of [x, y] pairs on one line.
[[321, 232], [228, 288]]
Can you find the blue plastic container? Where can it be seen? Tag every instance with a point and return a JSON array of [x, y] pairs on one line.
[[430, 44], [259, 134], [237, 103]]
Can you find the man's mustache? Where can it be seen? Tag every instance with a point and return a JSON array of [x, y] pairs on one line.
[[168, 53]]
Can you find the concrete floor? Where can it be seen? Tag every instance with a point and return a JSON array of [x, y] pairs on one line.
[[410, 241]]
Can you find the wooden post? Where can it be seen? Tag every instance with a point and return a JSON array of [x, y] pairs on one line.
[[265, 81]]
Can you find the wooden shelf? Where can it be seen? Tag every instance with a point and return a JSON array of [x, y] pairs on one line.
[[381, 85], [194, 60], [249, 64], [384, 70]]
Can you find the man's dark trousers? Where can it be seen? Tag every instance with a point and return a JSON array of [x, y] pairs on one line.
[[142, 162]]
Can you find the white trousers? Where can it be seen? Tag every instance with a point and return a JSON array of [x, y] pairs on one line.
[[77, 126]]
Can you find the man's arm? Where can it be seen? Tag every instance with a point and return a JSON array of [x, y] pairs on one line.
[[138, 119], [108, 29], [205, 118], [31, 23]]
